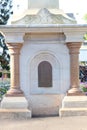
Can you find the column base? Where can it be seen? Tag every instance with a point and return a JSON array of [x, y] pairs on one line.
[[14, 92], [15, 108], [74, 106], [75, 92]]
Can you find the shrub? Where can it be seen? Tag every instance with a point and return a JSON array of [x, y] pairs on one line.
[[3, 89], [83, 87], [0, 74]]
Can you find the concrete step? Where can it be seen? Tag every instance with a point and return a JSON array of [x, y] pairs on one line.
[[73, 112], [15, 114]]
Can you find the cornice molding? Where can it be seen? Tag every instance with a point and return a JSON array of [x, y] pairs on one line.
[[73, 33]]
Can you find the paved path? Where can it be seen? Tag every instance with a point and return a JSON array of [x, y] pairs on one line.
[[47, 123]]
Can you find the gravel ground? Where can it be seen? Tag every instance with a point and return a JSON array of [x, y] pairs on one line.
[[46, 123]]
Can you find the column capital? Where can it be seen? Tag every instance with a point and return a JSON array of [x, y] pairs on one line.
[[14, 48], [74, 47]]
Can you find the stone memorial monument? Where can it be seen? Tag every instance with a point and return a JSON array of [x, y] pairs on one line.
[[44, 48]]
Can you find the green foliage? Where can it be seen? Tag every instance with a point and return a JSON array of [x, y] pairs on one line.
[[85, 36], [0, 74], [5, 11], [83, 87], [3, 89], [85, 18], [8, 75]]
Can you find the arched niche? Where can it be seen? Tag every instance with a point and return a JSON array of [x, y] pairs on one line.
[[36, 82]]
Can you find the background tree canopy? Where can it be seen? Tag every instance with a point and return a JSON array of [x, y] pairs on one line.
[[85, 18], [4, 54], [5, 12], [85, 36]]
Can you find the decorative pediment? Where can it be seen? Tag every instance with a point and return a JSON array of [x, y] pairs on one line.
[[44, 16]]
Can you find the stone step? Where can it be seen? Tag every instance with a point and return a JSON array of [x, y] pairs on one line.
[[74, 102], [73, 112], [15, 114]]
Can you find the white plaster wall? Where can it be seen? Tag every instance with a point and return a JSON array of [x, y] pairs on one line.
[[83, 55], [42, 99]]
